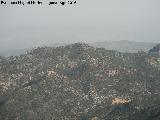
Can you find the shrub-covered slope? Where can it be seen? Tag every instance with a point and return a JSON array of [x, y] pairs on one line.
[[78, 82]]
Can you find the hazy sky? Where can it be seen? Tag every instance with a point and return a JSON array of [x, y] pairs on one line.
[[88, 20]]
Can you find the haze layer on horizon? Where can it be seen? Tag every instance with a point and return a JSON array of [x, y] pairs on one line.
[[86, 21]]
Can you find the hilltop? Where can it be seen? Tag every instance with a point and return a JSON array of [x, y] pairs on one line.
[[121, 46]]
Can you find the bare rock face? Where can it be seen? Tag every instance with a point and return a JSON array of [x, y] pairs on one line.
[[120, 101]]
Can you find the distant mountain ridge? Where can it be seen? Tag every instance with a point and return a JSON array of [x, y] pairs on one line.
[[125, 46]]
